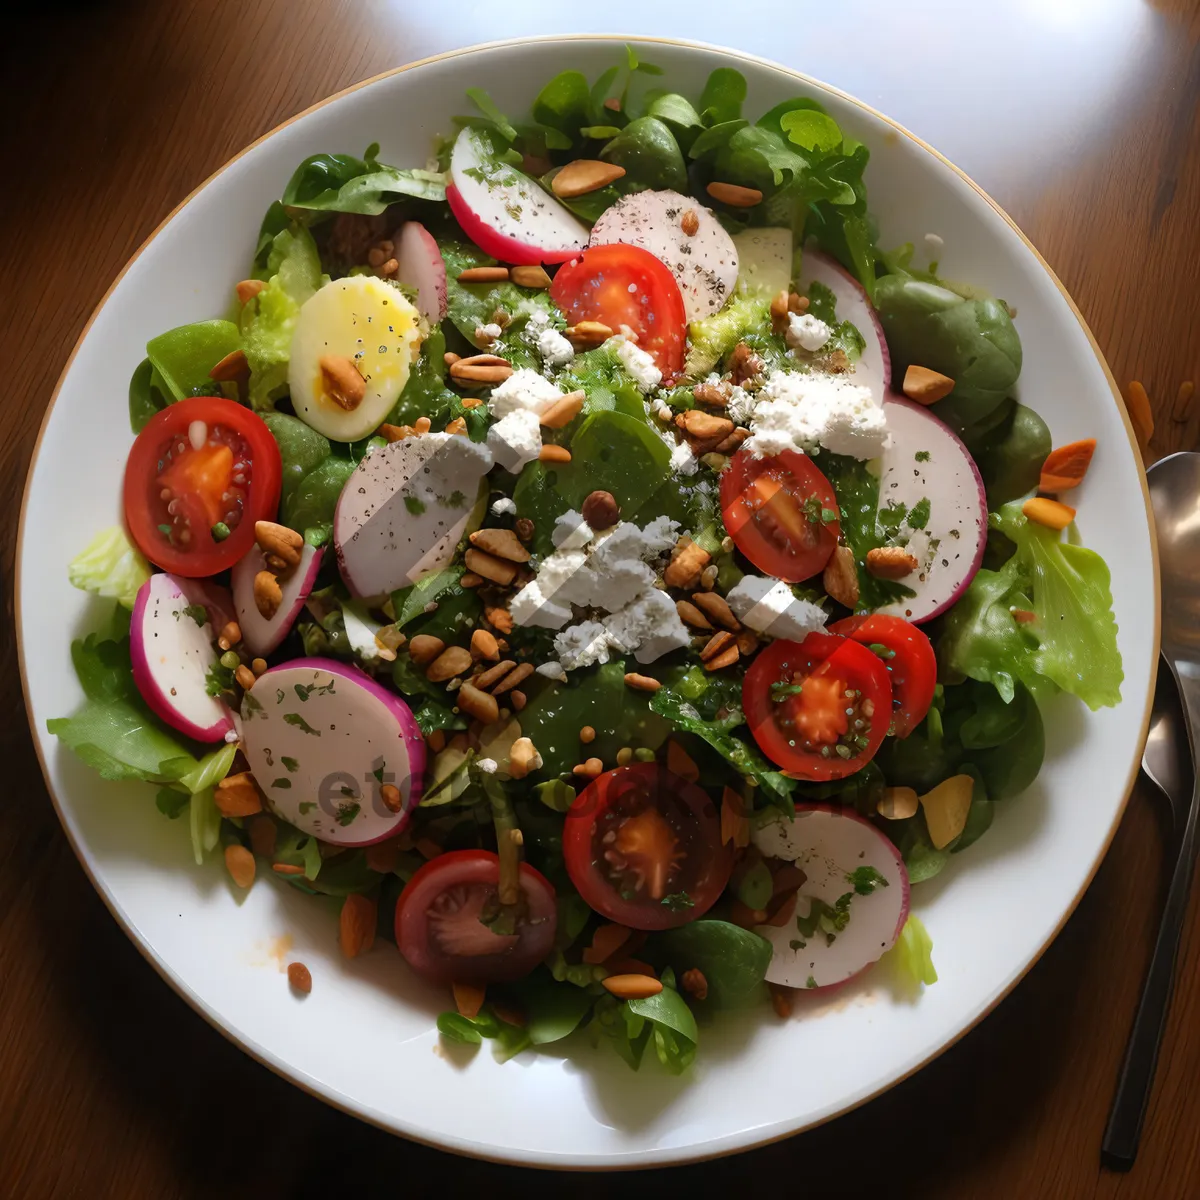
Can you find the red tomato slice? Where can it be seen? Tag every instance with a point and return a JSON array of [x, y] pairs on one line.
[[200, 462], [442, 919], [643, 848], [774, 509], [910, 660], [819, 708], [626, 285]]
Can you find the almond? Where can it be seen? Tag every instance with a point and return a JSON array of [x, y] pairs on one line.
[[231, 368], [471, 372], [926, 386], [502, 543], [891, 562], [513, 679], [248, 289], [632, 987], [726, 658], [343, 383], [523, 758], [493, 675], [499, 618], [715, 395], [478, 704], [498, 570], [389, 793], [588, 334], [268, 595], [704, 426], [683, 571], [239, 862], [641, 683], [529, 276], [483, 275], [841, 577], [689, 614], [238, 796], [280, 545], [554, 454], [484, 645], [584, 175], [690, 224], [424, 648], [563, 410], [734, 195], [356, 925], [717, 644], [300, 978], [454, 660], [716, 610]]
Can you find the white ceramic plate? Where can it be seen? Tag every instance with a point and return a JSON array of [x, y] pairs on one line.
[[365, 1039]]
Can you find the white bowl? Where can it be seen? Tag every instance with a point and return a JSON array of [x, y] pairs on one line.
[[365, 1039]]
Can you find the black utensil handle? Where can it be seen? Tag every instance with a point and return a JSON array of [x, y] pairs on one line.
[[1124, 1128]]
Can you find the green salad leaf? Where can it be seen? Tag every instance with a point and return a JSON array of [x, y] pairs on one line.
[[182, 358], [110, 565], [301, 448], [732, 960], [343, 183], [913, 952], [1010, 455]]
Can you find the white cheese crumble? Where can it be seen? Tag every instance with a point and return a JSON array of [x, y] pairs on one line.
[[553, 670], [571, 531], [768, 606], [582, 645], [806, 332], [740, 406], [488, 766], [641, 366], [487, 333], [802, 411], [554, 348], [503, 506], [683, 459], [516, 438]]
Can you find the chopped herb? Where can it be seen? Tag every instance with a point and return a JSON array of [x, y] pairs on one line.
[[171, 803], [918, 517], [678, 902], [281, 782], [219, 679], [321, 689], [865, 880], [306, 806], [796, 944], [817, 514], [455, 500], [881, 651], [220, 531], [781, 690], [820, 916], [300, 723], [250, 706], [893, 516], [378, 772], [414, 506], [347, 812], [810, 983], [165, 530], [922, 456], [197, 612], [290, 763], [280, 694]]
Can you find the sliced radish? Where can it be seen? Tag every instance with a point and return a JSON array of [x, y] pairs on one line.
[[421, 267], [874, 368], [173, 652], [260, 635], [215, 598], [829, 845], [323, 740], [404, 509], [764, 260], [704, 263], [506, 213], [926, 461]]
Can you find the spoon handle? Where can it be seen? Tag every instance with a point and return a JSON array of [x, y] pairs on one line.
[[1124, 1129]]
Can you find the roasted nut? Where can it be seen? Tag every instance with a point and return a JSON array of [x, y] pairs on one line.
[[513, 679], [554, 454], [781, 1000], [268, 595], [779, 313], [454, 660], [797, 304], [744, 365], [590, 769], [396, 433], [587, 735], [891, 562], [518, 700], [716, 610], [389, 793], [258, 666], [715, 395], [492, 675], [231, 634], [456, 425], [341, 380], [481, 368], [422, 425], [502, 543], [239, 862], [282, 868], [584, 175], [469, 579], [231, 368], [499, 618], [841, 577], [483, 275], [687, 562], [586, 335], [732, 442], [734, 195], [498, 570], [632, 987], [897, 803], [689, 614], [523, 758], [524, 529], [694, 983], [747, 643], [280, 545], [529, 276], [690, 224], [601, 510], [704, 426], [478, 704], [300, 978], [424, 648], [245, 677], [263, 832], [641, 683], [717, 644], [563, 410], [484, 645], [356, 925], [248, 289], [926, 386], [726, 658]]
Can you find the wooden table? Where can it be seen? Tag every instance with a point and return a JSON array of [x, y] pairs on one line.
[[109, 1084]]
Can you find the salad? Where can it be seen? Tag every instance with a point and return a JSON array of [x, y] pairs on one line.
[[595, 565]]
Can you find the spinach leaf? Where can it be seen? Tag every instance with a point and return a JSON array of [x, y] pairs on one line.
[[471, 305], [674, 1028], [343, 183], [1011, 456], [675, 111], [552, 1010], [182, 358], [410, 602], [563, 104], [722, 98], [301, 448], [309, 507], [648, 151], [146, 397], [732, 960]]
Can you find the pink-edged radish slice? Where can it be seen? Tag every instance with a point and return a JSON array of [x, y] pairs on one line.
[[421, 267], [925, 460], [874, 368], [505, 212], [403, 511], [327, 744], [841, 854], [215, 598], [171, 645], [260, 635], [704, 263]]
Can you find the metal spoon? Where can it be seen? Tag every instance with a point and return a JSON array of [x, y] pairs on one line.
[[1175, 495]]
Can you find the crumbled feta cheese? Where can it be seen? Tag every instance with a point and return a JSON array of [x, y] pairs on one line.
[[802, 411], [515, 439], [582, 645], [659, 536], [571, 531], [768, 606], [524, 390], [531, 606], [683, 459], [934, 244], [553, 670], [487, 333], [921, 546], [641, 366], [489, 766], [806, 332], [503, 506], [741, 405], [554, 348], [649, 626]]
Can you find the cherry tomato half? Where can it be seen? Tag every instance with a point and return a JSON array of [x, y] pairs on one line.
[[199, 464], [819, 708], [781, 512], [643, 847], [626, 285], [450, 927], [910, 660]]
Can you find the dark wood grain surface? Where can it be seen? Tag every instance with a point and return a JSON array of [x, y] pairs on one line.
[[110, 1086]]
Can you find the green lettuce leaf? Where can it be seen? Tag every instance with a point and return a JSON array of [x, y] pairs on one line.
[[712, 338], [110, 566], [269, 320], [913, 952], [343, 183], [182, 358]]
